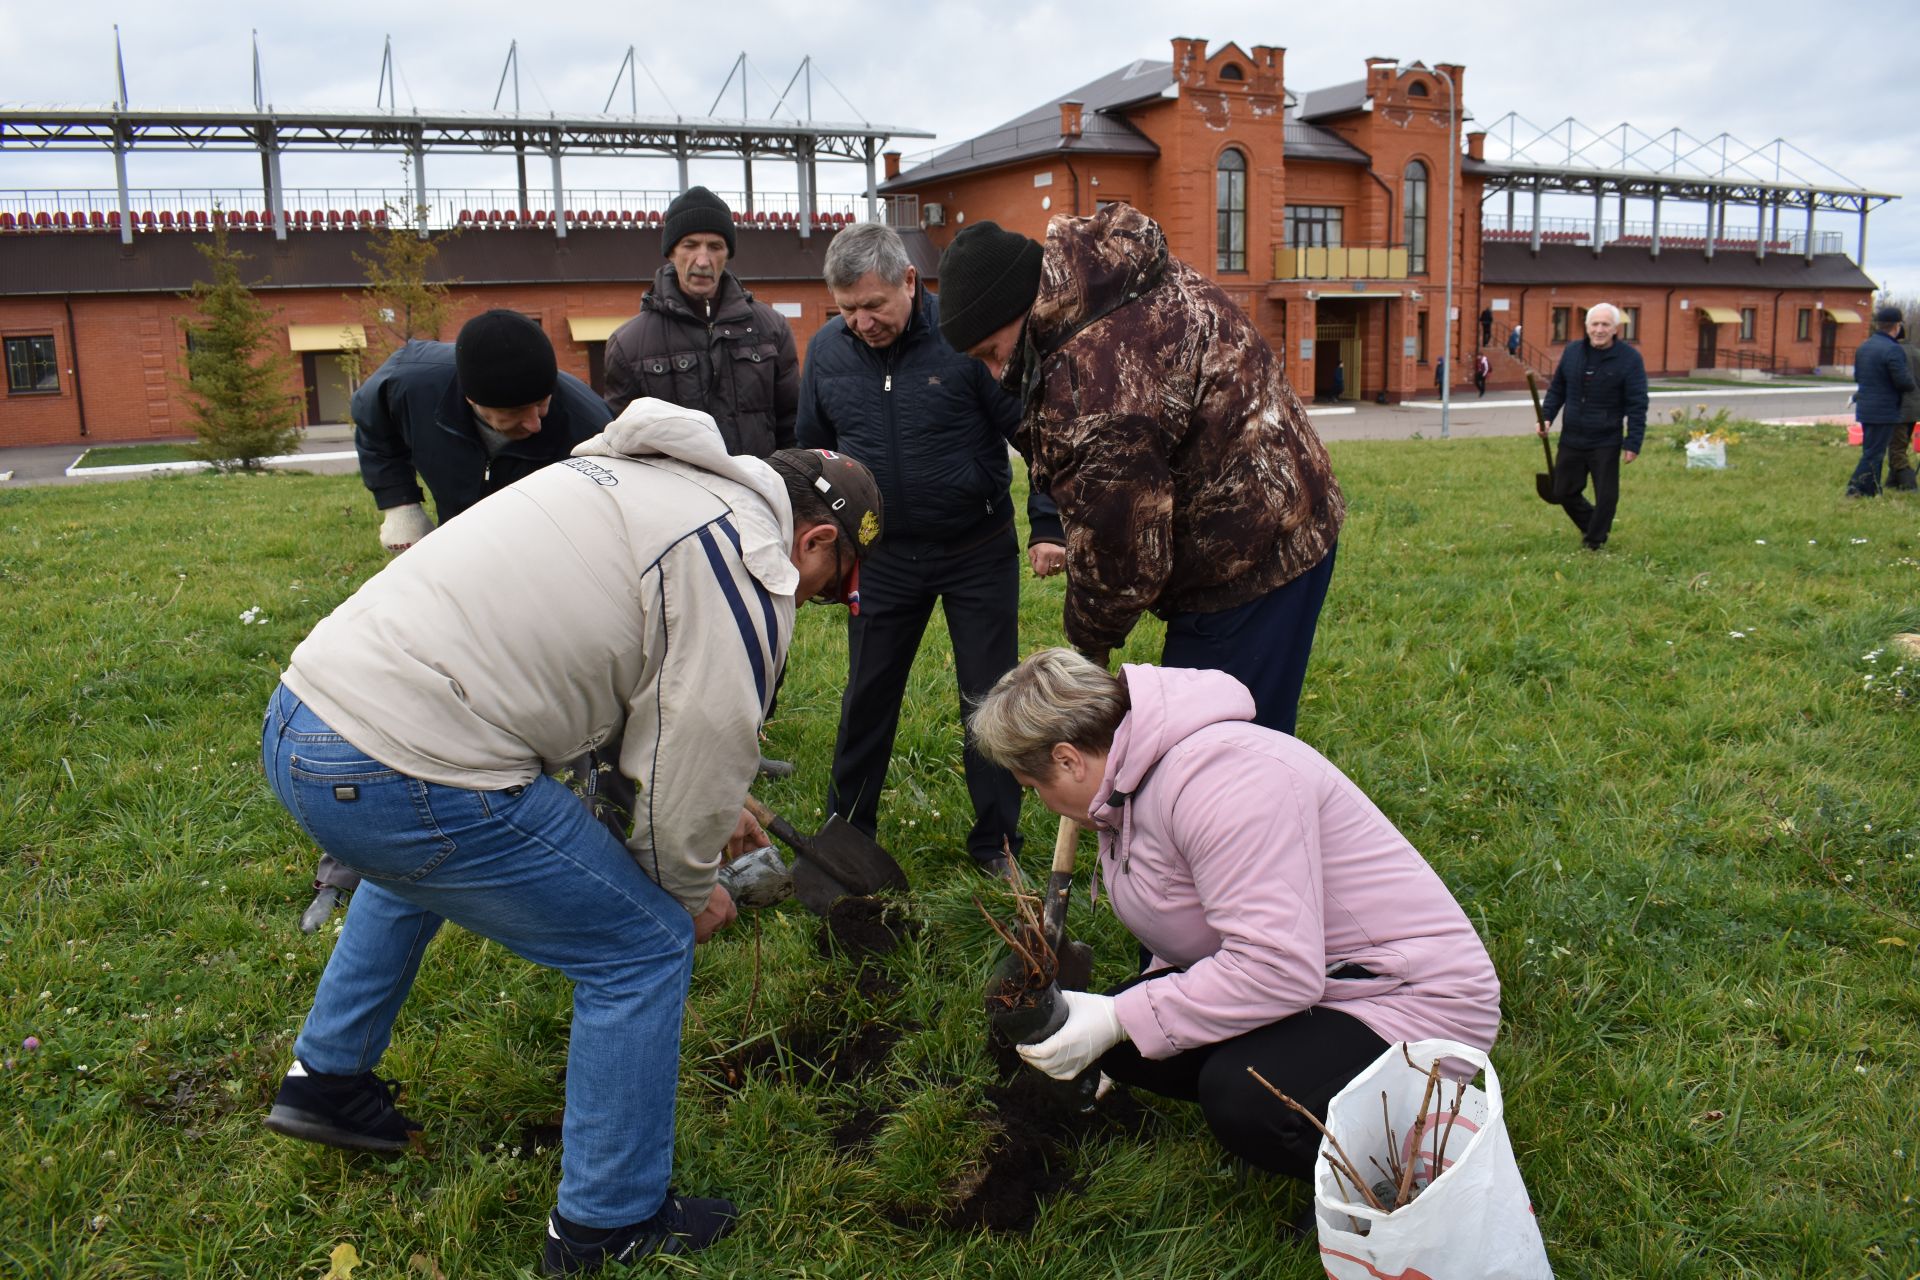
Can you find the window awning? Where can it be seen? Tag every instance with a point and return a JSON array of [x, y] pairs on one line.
[[1840, 315], [326, 337], [1719, 315], [594, 328]]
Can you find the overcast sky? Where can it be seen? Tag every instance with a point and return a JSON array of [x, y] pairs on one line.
[[1765, 69]]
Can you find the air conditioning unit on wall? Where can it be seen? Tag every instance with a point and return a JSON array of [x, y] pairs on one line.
[[933, 215]]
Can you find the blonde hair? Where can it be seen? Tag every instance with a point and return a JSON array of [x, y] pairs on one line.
[[1054, 696]]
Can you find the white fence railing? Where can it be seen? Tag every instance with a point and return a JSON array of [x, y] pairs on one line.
[[1673, 235]]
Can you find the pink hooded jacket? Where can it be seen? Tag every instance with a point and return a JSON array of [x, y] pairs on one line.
[[1242, 855]]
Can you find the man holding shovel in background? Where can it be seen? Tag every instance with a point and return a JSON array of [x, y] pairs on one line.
[[1601, 382], [1188, 477], [413, 735]]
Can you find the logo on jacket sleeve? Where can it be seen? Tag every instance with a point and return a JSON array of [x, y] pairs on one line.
[[592, 471]]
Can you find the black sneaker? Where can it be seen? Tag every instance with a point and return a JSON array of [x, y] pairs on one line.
[[684, 1224], [354, 1112]]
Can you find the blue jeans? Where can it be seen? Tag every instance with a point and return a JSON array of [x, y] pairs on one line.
[[529, 868], [1874, 439]]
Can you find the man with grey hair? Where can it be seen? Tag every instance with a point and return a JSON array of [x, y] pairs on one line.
[[1602, 382], [881, 384]]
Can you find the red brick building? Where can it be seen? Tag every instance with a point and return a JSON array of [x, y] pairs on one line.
[[1324, 214], [95, 340]]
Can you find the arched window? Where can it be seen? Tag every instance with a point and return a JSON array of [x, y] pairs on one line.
[[1413, 218], [1231, 71], [1230, 198], [1417, 89]]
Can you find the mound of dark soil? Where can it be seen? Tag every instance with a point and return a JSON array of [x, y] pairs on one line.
[[865, 927]]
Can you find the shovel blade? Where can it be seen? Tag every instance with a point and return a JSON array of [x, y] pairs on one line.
[[1543, 485], [854, 859]]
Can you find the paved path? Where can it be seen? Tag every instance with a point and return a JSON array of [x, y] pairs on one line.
[[1498, 414]]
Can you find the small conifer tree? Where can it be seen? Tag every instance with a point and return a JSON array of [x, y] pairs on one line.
[[401, 303], [243, 412]]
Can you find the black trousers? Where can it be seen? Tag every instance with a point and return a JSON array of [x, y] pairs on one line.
[[1570, 471], [978, 586], [1309, 1057]]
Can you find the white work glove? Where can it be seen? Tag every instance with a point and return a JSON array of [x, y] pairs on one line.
[[404, 526], [1092, 1028]]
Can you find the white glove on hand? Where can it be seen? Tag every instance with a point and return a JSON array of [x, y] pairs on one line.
[[1092, 1028], [404, 526]]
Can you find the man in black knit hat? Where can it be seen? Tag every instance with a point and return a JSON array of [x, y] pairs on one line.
[[466, 418], [702, 342], [1190, 482]]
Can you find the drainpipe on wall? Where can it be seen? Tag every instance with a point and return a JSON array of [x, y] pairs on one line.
[[1773, 339], [73, 368], [1073, 177], [1666, 337]]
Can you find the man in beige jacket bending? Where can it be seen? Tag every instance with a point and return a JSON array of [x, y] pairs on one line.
[[639, 596]]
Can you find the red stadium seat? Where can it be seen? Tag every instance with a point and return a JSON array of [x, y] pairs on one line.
[[199, 219], [146, 220], [6, 220], [96, 220], [166, 219], [113, 220], [253, 220], [59, 219]]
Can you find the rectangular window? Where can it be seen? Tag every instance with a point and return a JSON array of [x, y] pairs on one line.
[[1630, 324], [1748, 316], [1315, 226], [1803, 325], [1562, 323], [1420, 333], [31, 366]]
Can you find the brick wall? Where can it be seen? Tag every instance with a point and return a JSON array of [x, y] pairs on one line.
[[132, 373]]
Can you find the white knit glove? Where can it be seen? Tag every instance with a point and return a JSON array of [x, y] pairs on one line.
[[404, 526], [1092, 1028]]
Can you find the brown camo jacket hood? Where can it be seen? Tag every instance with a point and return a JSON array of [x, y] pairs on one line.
[[1160, 420]]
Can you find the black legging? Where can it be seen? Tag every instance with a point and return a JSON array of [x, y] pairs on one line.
[[1310, 1057]]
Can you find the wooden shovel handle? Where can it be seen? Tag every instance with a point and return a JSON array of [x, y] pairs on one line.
[[1065, 841], [1533, 389], [775, 825]]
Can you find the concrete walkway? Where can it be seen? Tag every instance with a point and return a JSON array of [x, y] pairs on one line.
[[328, 450]]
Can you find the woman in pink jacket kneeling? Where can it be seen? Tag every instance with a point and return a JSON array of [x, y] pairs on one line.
[[1290, 928]]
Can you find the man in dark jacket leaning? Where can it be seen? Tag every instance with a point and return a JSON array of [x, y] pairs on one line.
[[882, 385], [1187, 475], [1881, 377], [1601, 382], [702, 342], [468, 418], [1900, 473]]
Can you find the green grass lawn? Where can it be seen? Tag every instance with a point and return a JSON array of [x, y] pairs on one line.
[[1659, 779], [125, 455]]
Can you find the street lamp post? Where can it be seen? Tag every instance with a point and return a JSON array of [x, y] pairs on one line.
[[1446, 311]]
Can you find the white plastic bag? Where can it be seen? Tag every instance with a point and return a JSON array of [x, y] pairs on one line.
[[1706, 453], [1474, 1220]]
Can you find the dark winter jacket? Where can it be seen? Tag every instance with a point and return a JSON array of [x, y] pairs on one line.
[[929, 422], [1910, 402], [1881, 377], [1599, 386], [1187, 473], [738, 365], [410, 417]]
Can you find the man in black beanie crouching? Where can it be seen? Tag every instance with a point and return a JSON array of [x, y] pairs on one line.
[[466, 418]]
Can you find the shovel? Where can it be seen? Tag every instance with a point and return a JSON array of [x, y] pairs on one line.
[[1542, 484], [837, 861]]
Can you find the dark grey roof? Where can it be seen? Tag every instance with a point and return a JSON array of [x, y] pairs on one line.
[[1037, 132], [1310, 142], [56, 263], [1334, 100], [1572, 264]]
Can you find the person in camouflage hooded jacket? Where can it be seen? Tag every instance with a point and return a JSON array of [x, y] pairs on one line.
[[1189, 480]]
